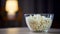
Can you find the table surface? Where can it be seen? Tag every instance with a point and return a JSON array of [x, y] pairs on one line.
[[25, 30]]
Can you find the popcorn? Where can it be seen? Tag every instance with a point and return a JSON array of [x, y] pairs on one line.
[[38, 22]]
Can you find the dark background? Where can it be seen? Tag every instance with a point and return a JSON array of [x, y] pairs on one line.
[[30, 6]]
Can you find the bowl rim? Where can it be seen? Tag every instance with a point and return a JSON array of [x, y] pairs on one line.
[[40, 13]]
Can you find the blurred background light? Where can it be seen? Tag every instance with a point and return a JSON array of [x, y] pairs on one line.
[[11, 8]]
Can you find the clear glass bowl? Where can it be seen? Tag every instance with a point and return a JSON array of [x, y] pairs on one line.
[[39, 22]]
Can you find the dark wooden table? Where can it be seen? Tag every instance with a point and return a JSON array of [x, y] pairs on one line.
[[25, 30]]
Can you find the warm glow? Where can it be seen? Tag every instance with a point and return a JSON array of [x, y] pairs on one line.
[[11, 6], [12, 31]]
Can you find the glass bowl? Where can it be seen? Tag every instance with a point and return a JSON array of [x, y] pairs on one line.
[[39, 22]]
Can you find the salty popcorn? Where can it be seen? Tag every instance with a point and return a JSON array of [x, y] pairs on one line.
[[38, 22]]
